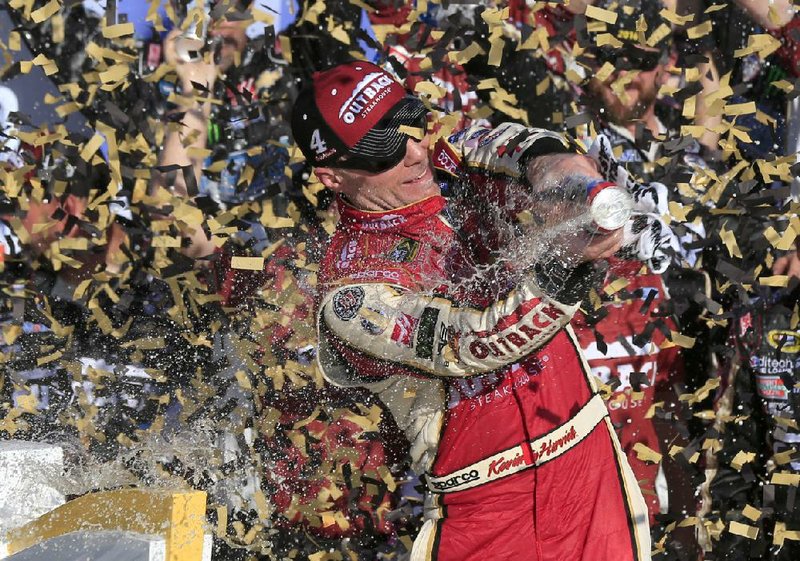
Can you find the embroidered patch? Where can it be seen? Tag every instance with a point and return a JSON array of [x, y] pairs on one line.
[[347, 302], [406, 250], [373, 321], [403, 332]]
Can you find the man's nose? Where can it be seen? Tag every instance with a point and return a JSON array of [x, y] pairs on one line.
[[417, 150]]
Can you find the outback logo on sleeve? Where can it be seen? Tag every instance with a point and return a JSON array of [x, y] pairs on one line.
[[785, 341], [405, 251], [366, 95], [347, 302], [505, 343]]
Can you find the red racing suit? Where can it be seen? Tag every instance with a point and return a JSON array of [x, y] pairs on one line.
[[486, 378], [635, 372]]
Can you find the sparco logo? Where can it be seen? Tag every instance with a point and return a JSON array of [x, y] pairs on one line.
[[365, 91], [457, 480]]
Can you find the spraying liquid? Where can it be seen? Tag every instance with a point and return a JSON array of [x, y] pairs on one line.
[[553, 220]]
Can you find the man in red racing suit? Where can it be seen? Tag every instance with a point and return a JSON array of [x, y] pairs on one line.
[[485, 378]]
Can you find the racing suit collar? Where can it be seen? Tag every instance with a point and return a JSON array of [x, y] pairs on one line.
[[401, 219]]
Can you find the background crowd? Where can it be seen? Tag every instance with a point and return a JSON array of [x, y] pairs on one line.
[[160, 234]]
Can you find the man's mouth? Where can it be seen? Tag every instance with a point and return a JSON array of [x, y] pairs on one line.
[[422, 176]]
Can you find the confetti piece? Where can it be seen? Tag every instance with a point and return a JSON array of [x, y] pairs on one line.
[[91, 147], [600, 14], [46, 11], [700, 30], [782, 458], [682, 340], [749, 532], [781, 533], [471, 51], [784, 478], [751, 512], [762, 44], [118, 30], [742, 458], [778, 281], [645, 453], [674, 18], [247, 263], [740, 108]]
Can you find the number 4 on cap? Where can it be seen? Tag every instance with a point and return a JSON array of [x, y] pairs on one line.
[[317, 143]]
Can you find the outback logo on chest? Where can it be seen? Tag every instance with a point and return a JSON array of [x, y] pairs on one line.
[[385, 222], [367, 93]]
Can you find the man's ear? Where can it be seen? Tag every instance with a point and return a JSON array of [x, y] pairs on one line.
[[329, 178]]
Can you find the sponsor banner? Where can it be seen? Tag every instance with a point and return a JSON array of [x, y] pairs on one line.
[[771, 387], [769, 365], [527, 455]]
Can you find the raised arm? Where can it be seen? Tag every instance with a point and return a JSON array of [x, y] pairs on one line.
[[437, 336]]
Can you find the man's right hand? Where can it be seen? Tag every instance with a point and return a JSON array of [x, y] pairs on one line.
[[574, 248], [602, 245]]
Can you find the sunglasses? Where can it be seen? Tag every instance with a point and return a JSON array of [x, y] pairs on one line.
[[628, 57], [374, 166]]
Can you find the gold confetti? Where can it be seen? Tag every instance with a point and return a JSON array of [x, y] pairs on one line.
[[248, 263], [749, 532], [600, 14], [118, 30], [46, 11]]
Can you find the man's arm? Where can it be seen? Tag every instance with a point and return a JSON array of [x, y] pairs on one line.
[[192, 133], [505, 150], [759, 11], [437, 336]]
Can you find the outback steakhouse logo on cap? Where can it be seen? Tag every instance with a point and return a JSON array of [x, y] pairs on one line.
[[357, 94], [355, 109], [363, 99]]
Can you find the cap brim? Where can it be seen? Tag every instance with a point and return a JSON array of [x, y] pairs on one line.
[[385, 141]]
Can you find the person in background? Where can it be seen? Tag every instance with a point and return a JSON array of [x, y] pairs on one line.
[[625, 328]]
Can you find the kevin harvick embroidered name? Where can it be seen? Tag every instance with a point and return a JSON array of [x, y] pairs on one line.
[[527, 455]]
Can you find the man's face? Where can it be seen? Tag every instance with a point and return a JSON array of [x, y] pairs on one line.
[[626, 95], [409, 181]]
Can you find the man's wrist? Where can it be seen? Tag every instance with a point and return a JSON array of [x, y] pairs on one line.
[[567, 283]]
